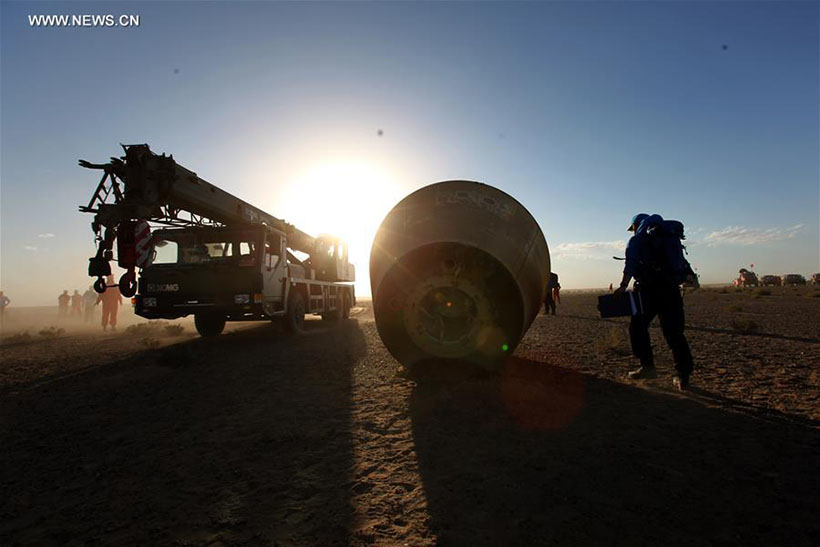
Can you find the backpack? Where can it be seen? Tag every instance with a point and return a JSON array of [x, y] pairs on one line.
[[665, 254]]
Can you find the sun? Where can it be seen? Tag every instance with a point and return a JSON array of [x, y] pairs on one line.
[[345, 198]]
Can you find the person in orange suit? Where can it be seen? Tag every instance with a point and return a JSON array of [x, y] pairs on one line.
[[111, 300]]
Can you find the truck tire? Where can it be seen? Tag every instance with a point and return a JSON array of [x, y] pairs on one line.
[[345, 305], [295, 316], [335, 315], [209, 325], [331, 316]]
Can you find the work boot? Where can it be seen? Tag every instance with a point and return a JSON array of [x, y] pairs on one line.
[[681, 382], [643, 373]]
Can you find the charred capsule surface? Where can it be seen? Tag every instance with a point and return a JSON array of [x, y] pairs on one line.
[[457, 271]]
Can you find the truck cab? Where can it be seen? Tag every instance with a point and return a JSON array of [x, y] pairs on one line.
[[331, 260], [221, 274], [192, 270]]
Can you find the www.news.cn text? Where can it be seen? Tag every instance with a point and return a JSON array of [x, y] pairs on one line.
[[107, 20]]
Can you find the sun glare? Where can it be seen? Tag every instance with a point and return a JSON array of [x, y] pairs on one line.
[[348, 199]]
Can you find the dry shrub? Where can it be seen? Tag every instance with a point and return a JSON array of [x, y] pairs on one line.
[[149, 342], [762, 291], [155, 329], [19, 338], [815, 294], [173, 330], [51, 332], [724, 290], [142, 329], [738, 289], [746, 326], [615, 343], [735, 307]]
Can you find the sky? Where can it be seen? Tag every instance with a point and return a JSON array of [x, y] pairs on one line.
[[327, 114]]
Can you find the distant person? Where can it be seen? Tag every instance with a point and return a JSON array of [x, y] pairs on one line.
[[76, 304], [89, 299], [62, 303], [111, 300], [4, 302], [610, 287], [659, 295], [552, 293]]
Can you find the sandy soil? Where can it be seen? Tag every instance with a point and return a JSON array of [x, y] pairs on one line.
[[259, 438]]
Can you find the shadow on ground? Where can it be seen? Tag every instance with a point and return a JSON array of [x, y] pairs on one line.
[[538, 454], [237, 440], [656, 325]]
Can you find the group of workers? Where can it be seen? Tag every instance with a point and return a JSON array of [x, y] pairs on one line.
[[84, 305]]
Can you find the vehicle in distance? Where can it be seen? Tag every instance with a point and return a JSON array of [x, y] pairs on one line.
[[746, 278], [771, 281], [794, 279]]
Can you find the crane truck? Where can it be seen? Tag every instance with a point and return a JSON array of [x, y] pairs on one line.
[[201, 251]]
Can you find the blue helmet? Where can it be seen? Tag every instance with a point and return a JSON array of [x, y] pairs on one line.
[[636, 221]]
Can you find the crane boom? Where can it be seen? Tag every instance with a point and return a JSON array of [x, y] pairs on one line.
[[158, 189], [142, 187]]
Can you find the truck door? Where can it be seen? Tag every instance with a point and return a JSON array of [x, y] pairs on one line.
[[273, 272]]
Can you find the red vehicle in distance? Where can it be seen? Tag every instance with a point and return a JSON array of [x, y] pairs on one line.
[[746, 279]]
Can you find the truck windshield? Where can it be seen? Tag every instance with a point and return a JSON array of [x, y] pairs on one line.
[[239, 249]]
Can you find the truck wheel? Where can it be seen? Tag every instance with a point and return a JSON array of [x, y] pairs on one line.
[[209, 325], [346, 306], [333, 316], [295, 316]]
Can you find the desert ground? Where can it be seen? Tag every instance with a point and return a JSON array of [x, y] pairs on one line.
[[151, 436]]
